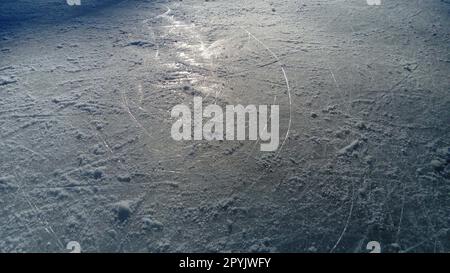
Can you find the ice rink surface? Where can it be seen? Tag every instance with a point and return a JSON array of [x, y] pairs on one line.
[[86, 154]]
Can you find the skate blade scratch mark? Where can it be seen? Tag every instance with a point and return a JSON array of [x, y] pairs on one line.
[[127, 108], [287, 86], [34, 152], [145, 22], [343, 95], [347, 221], [47, 227], [25, 148], [165, 14]]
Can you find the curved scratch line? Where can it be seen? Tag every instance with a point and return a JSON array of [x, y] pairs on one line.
[[287, 85], [348, 220]]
